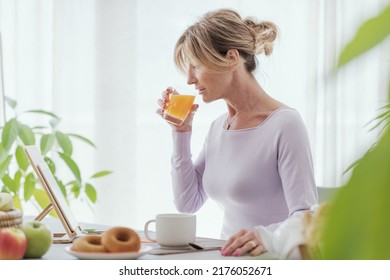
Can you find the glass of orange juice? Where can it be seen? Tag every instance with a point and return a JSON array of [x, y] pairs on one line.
[[178, 107]]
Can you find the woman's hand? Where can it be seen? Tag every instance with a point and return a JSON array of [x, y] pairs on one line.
[[245, 241], [187, 124]]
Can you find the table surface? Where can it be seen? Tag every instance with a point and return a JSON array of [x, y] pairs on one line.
[[57, 251]]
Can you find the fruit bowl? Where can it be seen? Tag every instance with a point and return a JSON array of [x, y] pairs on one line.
[[11, 218]]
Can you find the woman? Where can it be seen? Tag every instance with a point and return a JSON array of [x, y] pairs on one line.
[[256, 161]]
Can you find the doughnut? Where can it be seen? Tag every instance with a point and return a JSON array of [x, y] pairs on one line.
[[89, 244], [121, 239]]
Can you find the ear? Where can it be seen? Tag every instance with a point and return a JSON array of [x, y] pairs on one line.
[[233, 55]]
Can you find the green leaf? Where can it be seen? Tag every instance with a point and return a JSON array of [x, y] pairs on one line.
[[17, 203], [358, 225], [42, 112], [47, 142], [9, 182], [3, 153], [65, 143], [4, 165], [76, 189], [62, 187], [21, 158], [370, 34], [12, 103], [43, 201], [54, 122], [26, 134], [39, 127], [10, 132], [72, 166], [29, 186], [91, 192], [82, 138], [51, 164], [101, 174], [17, 177]]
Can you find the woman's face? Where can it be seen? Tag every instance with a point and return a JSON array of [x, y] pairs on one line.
[[210, 85]]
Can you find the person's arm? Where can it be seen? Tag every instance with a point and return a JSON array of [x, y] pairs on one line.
[[295, 165], [188, 190]]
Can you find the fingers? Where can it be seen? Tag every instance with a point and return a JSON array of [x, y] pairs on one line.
[[228, 245], [164, 98], [163, 103], [160, 112], [245, 241], [187, 124], [167, 92]]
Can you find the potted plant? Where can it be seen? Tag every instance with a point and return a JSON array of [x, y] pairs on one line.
[[358, 225], [56, 146]]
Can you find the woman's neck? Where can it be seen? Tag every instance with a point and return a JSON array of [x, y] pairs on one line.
[[245, 96]]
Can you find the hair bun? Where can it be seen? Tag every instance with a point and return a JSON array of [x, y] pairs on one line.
[[264, 34]]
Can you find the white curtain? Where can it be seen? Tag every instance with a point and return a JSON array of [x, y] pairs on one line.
[[101, 65]]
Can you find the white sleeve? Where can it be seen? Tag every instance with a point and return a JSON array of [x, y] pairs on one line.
[[284, 241]]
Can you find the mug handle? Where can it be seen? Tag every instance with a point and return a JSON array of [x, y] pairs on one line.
[[146, 230]]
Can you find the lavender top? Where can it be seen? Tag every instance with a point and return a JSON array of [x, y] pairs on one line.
[[258, 176]]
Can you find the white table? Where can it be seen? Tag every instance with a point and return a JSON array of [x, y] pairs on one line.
[[57, 251]]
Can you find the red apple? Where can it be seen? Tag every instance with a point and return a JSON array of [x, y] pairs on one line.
[[13, 244]]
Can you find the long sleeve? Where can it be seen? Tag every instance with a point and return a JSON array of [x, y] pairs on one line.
[[188, 191], [295, 166]]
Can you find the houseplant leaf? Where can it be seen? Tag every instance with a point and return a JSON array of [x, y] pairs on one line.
[[72, 166], [43, 112], [29, 186], [3, 153], [51, 164], [4, 165], [21, 158], [26, 134], [17, 203], [10, 132], [370, 33], [82, 138], [62, 187], [64, 142], [76, 189], [358, 226], [9, 183], [91, 192], [47, 142], [12, 103], [101, 174], [17, 177]]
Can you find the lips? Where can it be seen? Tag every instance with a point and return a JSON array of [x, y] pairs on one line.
[[201, 91]]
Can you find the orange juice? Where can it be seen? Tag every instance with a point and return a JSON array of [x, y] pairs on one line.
[[178, 108]]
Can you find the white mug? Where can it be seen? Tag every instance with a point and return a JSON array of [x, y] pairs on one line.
[[173, 230]]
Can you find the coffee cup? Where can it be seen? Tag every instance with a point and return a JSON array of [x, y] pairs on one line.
[[173, 230]]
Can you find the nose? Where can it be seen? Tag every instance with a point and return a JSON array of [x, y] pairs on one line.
[[190, 76]]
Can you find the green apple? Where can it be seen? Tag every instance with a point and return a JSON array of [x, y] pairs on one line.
[[6, 202], [39, 239]]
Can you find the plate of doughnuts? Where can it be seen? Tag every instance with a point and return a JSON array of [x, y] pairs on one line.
[[117, 243], [109, 256]]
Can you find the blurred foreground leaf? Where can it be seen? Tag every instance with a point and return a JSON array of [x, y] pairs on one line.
[[370, 34], [358, 225]]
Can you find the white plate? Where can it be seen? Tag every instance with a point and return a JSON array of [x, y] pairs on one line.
[[109, 256]]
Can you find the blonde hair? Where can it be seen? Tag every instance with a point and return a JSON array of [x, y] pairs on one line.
[[206, 42]]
